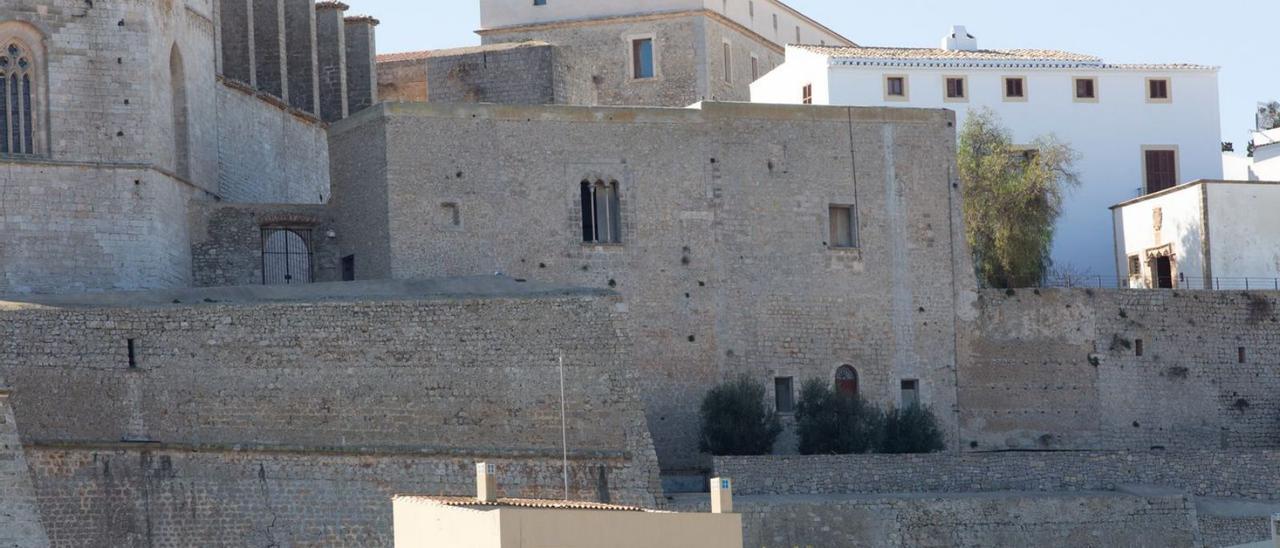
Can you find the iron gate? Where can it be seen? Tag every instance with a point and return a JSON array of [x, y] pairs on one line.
[[286, 256]]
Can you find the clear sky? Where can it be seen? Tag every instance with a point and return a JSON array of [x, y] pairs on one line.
[[1235, 35]]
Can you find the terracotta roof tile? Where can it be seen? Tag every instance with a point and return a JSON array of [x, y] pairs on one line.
[[1022, 57]]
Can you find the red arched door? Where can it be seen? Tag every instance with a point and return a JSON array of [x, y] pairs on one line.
[[847, 381]]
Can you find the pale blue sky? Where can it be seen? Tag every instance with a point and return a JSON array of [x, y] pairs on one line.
[[1238, 36]]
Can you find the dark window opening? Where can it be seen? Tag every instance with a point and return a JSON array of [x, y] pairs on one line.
[[847, 381], [910, 393], [955, 88], [1158, 90], [1013, 88], [1164, 273], [1138, 347], [17, 122], [133, 354], [784, 394], [1242, 357], [349, 268], [896, 86], [601, 213], [806, 94], [1086, 88]]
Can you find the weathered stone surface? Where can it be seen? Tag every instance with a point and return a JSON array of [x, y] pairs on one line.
[[20, 525], [725, 260], [968, 520]]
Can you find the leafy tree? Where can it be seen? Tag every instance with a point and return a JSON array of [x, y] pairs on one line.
[[1012, 198], [1268, 115], [736, 422], [831, 423], [911, 430]]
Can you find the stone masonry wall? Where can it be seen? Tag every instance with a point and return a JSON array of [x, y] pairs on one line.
[[84, 227], [997, 519], [1239, 474], [227, 244], [19, 516], [506, 73], [269, 153], [1090, 369], [688, 51], [298, 420], [724, 261]]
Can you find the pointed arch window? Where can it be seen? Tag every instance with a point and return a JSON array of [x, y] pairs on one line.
[[601, 212], [847, 381], [18, 89]]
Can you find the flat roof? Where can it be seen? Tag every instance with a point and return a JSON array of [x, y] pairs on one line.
[[539, 504], [1187, 186]]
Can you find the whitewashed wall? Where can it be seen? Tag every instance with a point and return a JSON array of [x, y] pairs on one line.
[[1244, 231], [1181, 228], [1109, 134]]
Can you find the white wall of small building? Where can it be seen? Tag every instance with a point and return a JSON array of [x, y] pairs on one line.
[[1244, 233], [756, 15], [1181, 228], [1109, 134]]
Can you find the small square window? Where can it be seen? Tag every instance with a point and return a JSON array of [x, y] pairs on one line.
[[910, 393], [1015, 88], [1086, 89], [895, 88], [844, 227], [1158, 90], [642, 58], [784, 394], [806, 94], [956, 88]]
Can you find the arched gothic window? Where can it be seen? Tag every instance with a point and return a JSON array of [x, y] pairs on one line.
[[601, 212], [847, 381], [181, 132], [19, 91]]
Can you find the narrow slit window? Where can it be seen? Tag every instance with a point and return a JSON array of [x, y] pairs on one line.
[[133, 353], [1241, 356], [1139, 347], [728, 62], [601, 212]]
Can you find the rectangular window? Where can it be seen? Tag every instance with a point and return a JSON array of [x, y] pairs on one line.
[[1086, 89], [349, 268], [133, 354], [755, 68], [1158, 90], [1139, 348], [728, 62], [775, 22], [601, 213], [806, 94], [910, 393], [784, 394], [642, 58], [798, 41], [539, 2], [956, 88], [751, 9], [895, 88], [844, 228], [1242, 357], [1015, 88], [1161, 169]]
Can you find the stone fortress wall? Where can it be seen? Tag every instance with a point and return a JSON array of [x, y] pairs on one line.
[[19, 515], [241, 416], [1090, 369], [725, 260]]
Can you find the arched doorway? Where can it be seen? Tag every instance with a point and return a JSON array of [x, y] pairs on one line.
[[286, 256], [847, 381]]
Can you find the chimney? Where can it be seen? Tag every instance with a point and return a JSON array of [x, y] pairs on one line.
[[486, 483], [721, 496], [959, 40]]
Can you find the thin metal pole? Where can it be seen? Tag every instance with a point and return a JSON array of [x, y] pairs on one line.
[[564, 429]]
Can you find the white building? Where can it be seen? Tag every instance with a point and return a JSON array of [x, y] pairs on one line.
[[1201, 235], [1265, 163], [1138, 128]]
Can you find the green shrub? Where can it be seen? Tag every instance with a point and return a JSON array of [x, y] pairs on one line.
[[911, 430], [736, 422], [830, 423]]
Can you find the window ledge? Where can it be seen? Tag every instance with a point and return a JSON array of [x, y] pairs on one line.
[[602, 247]]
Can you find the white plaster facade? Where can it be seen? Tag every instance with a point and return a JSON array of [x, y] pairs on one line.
[[1265, 163], [1110, 132], [1218, 235], [771, 19]]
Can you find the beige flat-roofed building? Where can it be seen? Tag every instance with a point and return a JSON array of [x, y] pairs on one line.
[[438, 522]]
